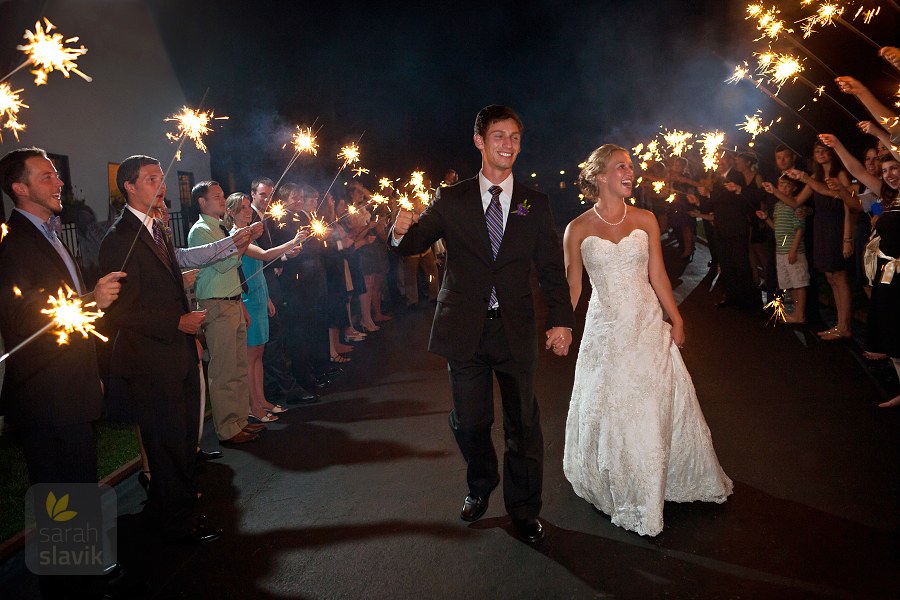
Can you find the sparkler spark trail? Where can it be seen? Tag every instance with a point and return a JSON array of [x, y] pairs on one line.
[[825, 15], [740, 72], [48, 53], [192, 124], [359, 171], [303, 141], [678, 142], [349, 154], [777, 306], [69, 316], [10, 104], [710, 143], [753, 125]]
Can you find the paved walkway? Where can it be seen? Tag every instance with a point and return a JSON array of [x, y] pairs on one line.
[[358, 497]]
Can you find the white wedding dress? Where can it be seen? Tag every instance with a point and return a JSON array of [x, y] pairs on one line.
[[635, 435]]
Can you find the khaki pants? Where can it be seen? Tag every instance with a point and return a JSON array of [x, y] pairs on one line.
[[229, 389]]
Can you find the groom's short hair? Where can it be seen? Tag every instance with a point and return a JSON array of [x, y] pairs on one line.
[[493, 113]]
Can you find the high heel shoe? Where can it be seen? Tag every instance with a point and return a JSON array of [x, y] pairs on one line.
[[144, 480], [369, 328], [268, 418]]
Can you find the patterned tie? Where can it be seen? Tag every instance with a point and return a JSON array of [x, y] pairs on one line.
[[159, 237], [53, 225], [494, 218]]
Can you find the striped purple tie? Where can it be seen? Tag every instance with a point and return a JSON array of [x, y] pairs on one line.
[[494, 218]]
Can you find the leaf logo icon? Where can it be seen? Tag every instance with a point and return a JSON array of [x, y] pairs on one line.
[[57, 509]]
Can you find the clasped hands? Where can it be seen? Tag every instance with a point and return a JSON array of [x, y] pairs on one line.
[[559, 339]]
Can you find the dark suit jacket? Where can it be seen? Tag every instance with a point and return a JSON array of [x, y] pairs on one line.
[[45, 384], [734, 212], [150, 304], [457, 216]]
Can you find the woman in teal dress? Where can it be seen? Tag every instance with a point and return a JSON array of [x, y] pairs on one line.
[[256, 299]]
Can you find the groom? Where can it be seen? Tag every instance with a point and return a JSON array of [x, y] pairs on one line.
[[494, 229]]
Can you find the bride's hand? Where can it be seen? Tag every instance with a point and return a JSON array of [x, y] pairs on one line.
[[678, 334]]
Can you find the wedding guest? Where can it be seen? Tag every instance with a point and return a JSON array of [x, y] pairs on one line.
[[154, 352], [238, 214], [218, 291], [281, 385], [790, 253], [829, 227]]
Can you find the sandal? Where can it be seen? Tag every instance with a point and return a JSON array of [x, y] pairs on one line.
[[337, 358], [835, 334], [276, 409], [268, 418]]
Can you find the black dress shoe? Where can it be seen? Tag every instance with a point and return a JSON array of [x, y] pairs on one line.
[[473, 508], [200, 534], [300, 395], [528, 530], [212, 455]]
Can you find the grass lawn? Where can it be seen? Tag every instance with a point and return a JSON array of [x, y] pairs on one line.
[[116, 446]]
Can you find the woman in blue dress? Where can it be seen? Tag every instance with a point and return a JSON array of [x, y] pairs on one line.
[[256, 299]]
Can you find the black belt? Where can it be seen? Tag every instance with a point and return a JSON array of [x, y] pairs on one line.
[[493, 313], [238, 297]]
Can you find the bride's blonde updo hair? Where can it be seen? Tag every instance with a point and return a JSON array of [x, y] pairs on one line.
[[595, 164]]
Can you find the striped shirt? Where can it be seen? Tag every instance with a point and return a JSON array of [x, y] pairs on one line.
[[786, 226]]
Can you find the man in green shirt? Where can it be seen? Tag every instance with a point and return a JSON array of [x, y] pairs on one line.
[[218, 291]]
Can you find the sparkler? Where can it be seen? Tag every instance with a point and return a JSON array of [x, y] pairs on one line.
[[276, 210], [678, 142], [4, 229], [10, 104], [359, 171], [48, 53], [404, 203], [67, 313], [754, 125], [777, 306], [385, 183], [304, 141], [193, 124], [824, 16], [350, 155], [317, 227], [378, 199], [710, 143]]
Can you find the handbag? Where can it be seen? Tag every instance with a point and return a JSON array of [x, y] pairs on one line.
[[870, 257]]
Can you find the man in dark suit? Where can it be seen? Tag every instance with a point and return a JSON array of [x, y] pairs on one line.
[[733, 204], [154, 353], [281, 386], [494, 229], [51, 392]]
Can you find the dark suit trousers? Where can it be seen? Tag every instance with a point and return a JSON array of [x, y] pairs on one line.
[[737, 277], [277, 372], [472, 418], [62, 454], [168, 418]]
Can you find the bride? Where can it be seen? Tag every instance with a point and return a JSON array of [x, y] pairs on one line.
[[635, 435]]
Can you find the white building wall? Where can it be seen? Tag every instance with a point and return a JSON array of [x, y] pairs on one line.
[[117, 115]]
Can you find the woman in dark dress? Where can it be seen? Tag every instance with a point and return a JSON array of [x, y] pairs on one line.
[[883, 328], [829, 189]]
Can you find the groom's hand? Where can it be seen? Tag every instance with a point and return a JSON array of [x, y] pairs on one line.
[[403, 223], [559, 339]]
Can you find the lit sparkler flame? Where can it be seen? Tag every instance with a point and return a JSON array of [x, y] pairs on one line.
[[378, 199], [777, 306], [69, 316], [351, 209], [658, 186], [740, 72], [767, 21], [304, 141], [385, 183], [671, 198], [779, 67], [825, 15], [318, 227], [417, 180], [276, 210], [17, 292], [4, 229], [359, 171], [753, 125], [423, 196], [48, 53], [710, 143], [10, 104], [193, 124], [349, 154], [678, 142], [404, 203]]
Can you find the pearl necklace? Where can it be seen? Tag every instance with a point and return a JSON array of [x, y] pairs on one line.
[[622, 220]]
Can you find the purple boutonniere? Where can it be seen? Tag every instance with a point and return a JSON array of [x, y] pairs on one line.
[[523, 208]]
